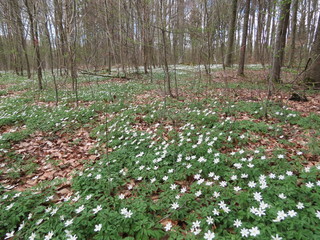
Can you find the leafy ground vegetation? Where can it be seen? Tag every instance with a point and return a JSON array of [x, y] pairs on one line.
[[218, 162]]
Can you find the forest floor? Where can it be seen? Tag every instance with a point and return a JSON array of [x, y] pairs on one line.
[[128, 162]]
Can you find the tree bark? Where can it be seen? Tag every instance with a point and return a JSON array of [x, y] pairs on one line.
[[312, 75], [231, 33], [280, 42], [267, 37], [49, 34], [165, 46], [35, 39], [293, 32], [180, 28], [61, 33], [257, 45], [71, 30], [3, 58], [250, 38], [20, 30], [244, 39]]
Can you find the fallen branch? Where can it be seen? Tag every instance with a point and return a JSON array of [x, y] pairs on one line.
[[102, 75]]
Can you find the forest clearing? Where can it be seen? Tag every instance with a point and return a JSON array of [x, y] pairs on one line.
[[170, 119]]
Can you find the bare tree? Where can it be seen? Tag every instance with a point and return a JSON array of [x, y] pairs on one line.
[[20, 32], [165, 46], [312, 75], [125, 34], [293, 32], [280, 41], [257, 45], [71, 39], [180, 30], [244, 38], [32, 14], [61, 36], [232, 29], [48, 33]]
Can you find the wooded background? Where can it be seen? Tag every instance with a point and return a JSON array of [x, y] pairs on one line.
[[65, 36]]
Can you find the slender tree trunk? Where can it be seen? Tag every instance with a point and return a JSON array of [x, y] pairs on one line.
[[231, 33], [244, 39], [250, 38], [166, 65], [293, 32], [35, 38], [3, 58], [142, 11], [209, 34], [163, 16], [257, 48], [273, 30], [20, 30], [267, 37], [61, 33], [221, 36], [180, 27], [71, 39], [49, 33], [120, 38], [312, 75], [39, 62], [109, 36], [278, 54], [312, 4]]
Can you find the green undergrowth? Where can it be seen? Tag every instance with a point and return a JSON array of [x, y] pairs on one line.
[[189, 169]]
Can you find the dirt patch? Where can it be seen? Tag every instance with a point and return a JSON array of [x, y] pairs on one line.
[[56, 156], [148, 97]]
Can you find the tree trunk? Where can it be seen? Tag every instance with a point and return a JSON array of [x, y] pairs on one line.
[[267, 37], [20, 30], [244, 39], [120, 38], [257, 45], [49, 33], [231, 33], [165, 46], [180, 30], [273, 26], [71, 29], [250, 38], [280, 42], [312, 75], [143, 17], [34, 39], [61, 34], [3, 58], [293, 32]]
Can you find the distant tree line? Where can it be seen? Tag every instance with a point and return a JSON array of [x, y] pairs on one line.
[[67, 35]]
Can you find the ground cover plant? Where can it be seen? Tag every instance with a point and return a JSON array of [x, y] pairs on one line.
[[129, 163]]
